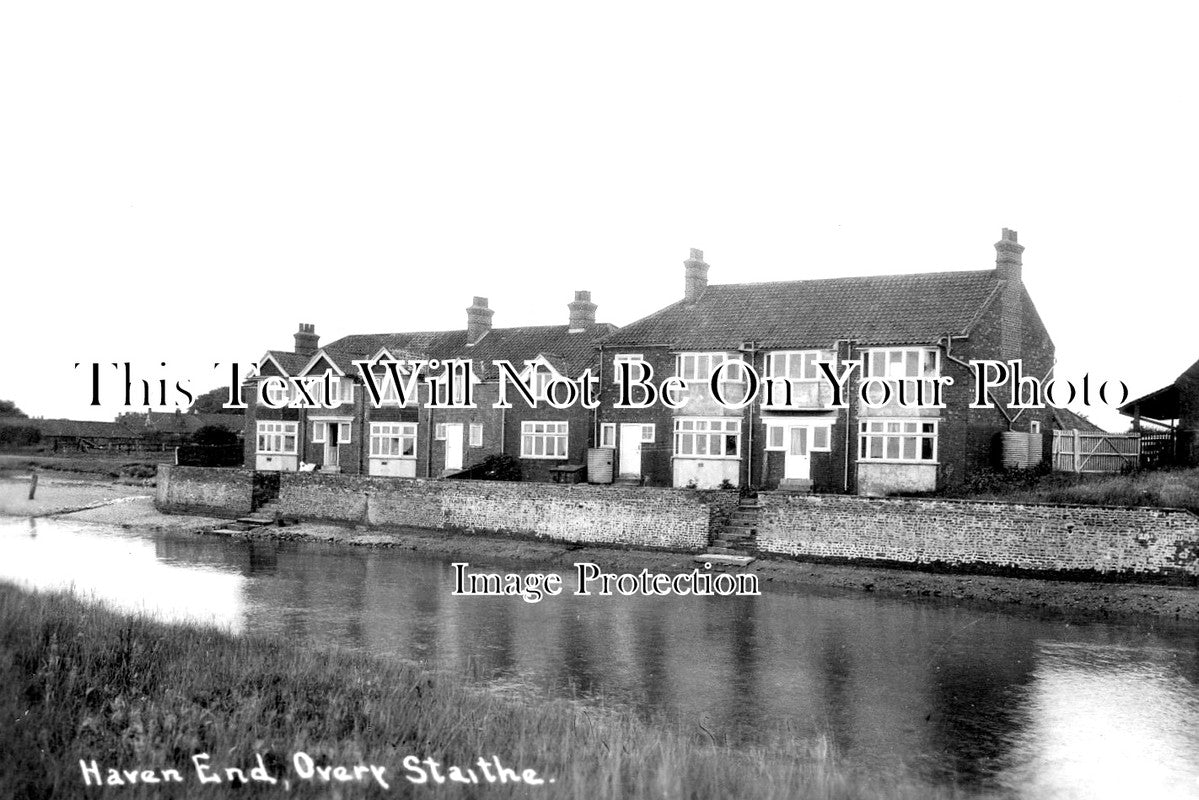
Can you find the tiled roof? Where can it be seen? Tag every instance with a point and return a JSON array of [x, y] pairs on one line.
[[885, 309], [571, 352], [291, 362], [1067, 420], [84, 429], [169, 422]]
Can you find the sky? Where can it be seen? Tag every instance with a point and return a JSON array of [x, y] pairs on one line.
[[185, 183]]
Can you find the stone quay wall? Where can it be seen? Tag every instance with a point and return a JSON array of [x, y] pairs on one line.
[[1045, 540]]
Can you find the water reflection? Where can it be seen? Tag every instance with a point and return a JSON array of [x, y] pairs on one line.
[[991, 702]]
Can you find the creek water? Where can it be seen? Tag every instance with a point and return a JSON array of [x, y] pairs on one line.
[[994, 702]]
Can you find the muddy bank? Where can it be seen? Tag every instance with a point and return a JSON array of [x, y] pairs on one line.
[[130, 507]]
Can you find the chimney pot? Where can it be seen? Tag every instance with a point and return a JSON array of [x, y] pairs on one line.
[[1008, 260], [695, 276], [582, 312], [306, 339], [478, 320]]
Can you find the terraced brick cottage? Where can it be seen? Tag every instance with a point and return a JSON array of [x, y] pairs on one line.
[[904, 328], [413, 440]]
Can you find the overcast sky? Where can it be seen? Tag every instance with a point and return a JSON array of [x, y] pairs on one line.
[[187, 182]]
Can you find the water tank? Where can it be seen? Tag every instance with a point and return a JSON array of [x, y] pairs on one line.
[[1013, 449], [600, 461], [1036, 451]]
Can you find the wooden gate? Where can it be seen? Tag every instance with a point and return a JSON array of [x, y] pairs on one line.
[[1086, 451]]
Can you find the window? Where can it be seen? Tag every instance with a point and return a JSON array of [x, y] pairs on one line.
[[607, 434], [718, 437], [278, 392], [543, 439], [341, 390], [476, 434], [798, 365], [393, 440], [647, 433], [903, 440], [277, 437], [808, 386], [439, 431], [700, 366], [320, 431], [903, 362], [818, 434], [1034, 426]]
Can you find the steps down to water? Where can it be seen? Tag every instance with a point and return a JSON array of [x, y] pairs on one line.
[[736, 541], [267, 515]]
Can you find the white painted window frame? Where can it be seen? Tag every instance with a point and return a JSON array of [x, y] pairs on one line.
[[476, 434], [781, 426], [696, 427], [688, 363], [608, 435], [872, 356], [878, 428], [390, 436], [272, 436], [534, 431]]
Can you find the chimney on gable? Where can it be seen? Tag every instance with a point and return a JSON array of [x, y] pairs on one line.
[[582, 312], [696, 276], [306, 339], [1009, 267], [1008, 263], [478, 320]]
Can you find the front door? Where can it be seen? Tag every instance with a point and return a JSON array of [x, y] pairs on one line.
[[630, 450], [453, 446], [798, 462], [331, 452]]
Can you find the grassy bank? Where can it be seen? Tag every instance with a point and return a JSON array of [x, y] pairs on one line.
[[81, 682], [116, 466], [1165, 488]]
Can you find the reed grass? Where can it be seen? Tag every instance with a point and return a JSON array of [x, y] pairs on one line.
[[83, 682]]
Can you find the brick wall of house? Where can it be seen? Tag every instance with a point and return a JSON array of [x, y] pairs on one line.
[[206, 490], [579, 439], [1141, 544], [656, 457], [634, 516]]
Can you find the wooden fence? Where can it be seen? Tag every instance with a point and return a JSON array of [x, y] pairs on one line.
[[1084, 451]]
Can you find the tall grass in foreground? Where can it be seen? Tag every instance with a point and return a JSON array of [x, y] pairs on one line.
[[82, 682]]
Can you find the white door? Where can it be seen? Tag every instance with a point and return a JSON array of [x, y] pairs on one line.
[[798, 463], [453, 446], [630, 450]]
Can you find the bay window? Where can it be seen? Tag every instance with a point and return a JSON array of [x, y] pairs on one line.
[[716, 437], [899, 440], [393, 440], [277, 437]]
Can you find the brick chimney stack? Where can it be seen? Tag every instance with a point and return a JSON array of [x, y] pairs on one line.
[[1009, 268], [306, 339], [1008, 263], [478, 320], [696, 276], [582, 312]]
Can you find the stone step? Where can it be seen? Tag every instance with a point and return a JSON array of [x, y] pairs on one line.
[[724, 558], [725, 551]]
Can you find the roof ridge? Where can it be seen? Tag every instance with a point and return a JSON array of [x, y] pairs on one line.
[[901, 275]]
